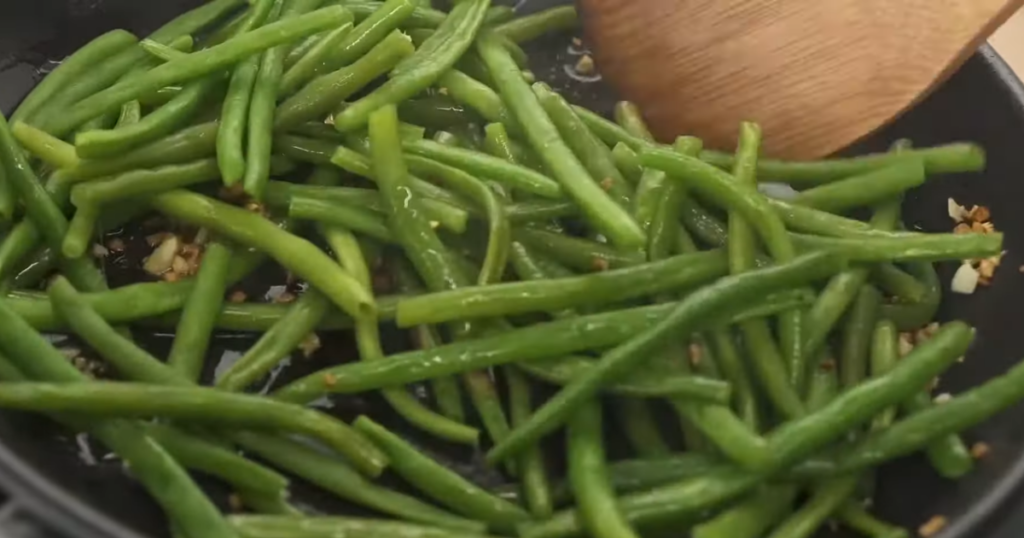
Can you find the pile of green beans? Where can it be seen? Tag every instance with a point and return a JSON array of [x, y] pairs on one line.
[[538, 247]]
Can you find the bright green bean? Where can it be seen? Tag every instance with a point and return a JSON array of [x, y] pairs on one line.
[[476, 95], [629, 117], [532, 466], [825, 501], [511, 175], [590, 151], [602, 212], [948, 454], [234, 119], [588, 475], [533, 26], [856, 336], [442, 484], [579, 254], [297, 75], [143, 183], [370, 31], [51, 150], [864, 190], [249, 229], [199, 63], [712, 301], [198, 317], [923, 247], [323, 94], [679, 273], [250, 526], [354, 218]]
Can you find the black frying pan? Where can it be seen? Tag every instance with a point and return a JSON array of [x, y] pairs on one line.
[[45, 470]]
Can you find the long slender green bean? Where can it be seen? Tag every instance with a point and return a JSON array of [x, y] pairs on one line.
[[579, 254], [215, 460], [545, 341], [143, 183], [717, 300], [864, 190], [199, 63], [302, 71], [514, 176], [588, 474], [326, 527], [338, 478], [441, 483], [923, 247], [420, 70], [192, 337], [823, 503], [856, 332], [602, 212], [532, 466], [49, 149], [948, 454], [594, 155], [172, 488], [530, 27], [679, 273], [753, 518], [249, 229], [233, 120], [370, 31], [322, 95], [476, 95]]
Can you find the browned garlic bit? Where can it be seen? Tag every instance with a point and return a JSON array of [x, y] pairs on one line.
[[330, 379], [285, 298], [585, 65], [933, 526], [116, 245], [973, 273], [979, 450], [162, 259], [600, 264], [237, 297], [696, 354], [310, 345]]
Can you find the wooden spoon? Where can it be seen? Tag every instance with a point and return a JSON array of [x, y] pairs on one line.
[[816, 74]]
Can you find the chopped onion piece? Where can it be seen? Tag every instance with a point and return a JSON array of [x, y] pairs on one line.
[[163, 257]]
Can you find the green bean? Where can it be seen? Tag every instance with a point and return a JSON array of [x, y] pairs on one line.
[[248, 229], [649, 189], [498, 143], [464, 184], [948, 454], [798, 438], [277, 343], [442, 484], [215, 460], [511, 175], [531, 27], [249, 526], [163, 121], [299, 51], [200, 63], [73, 67], [324, 93], [233, 120], [864, 190], [423, 68], [131, 114], [168, 483], [856, 332], [187, 145], [435, 112], [602, 212], [629, 117], [717, 300], [735, 371], [741, 243], [914, 315], [857, 518], [337, 477], [588, 475], [915, 431], [547, 341], [812, 221], [532, 467], [752, 518], [640, 429], [421, 17], [476, 95], [590, 151], [303, 70], [363, 221], [192, 337], [578, 254], [902, 286], [950, 158], [923, 247], [51, 150], [143, 183], [678, 273], [262, 108], [884, 355], [42, 207], [628, 162], [370, 31], [823, 503]]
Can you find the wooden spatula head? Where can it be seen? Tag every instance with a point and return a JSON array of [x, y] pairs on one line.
[[816, 74]]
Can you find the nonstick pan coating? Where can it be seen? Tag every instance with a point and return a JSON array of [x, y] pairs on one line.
[[45, 469]]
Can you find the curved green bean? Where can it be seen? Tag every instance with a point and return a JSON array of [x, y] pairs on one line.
[[717, 300], [678, 273], [588, 475], [476, 95], [233, 120], [442, 484], [298, 255], [144, 183], [948, 454]]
